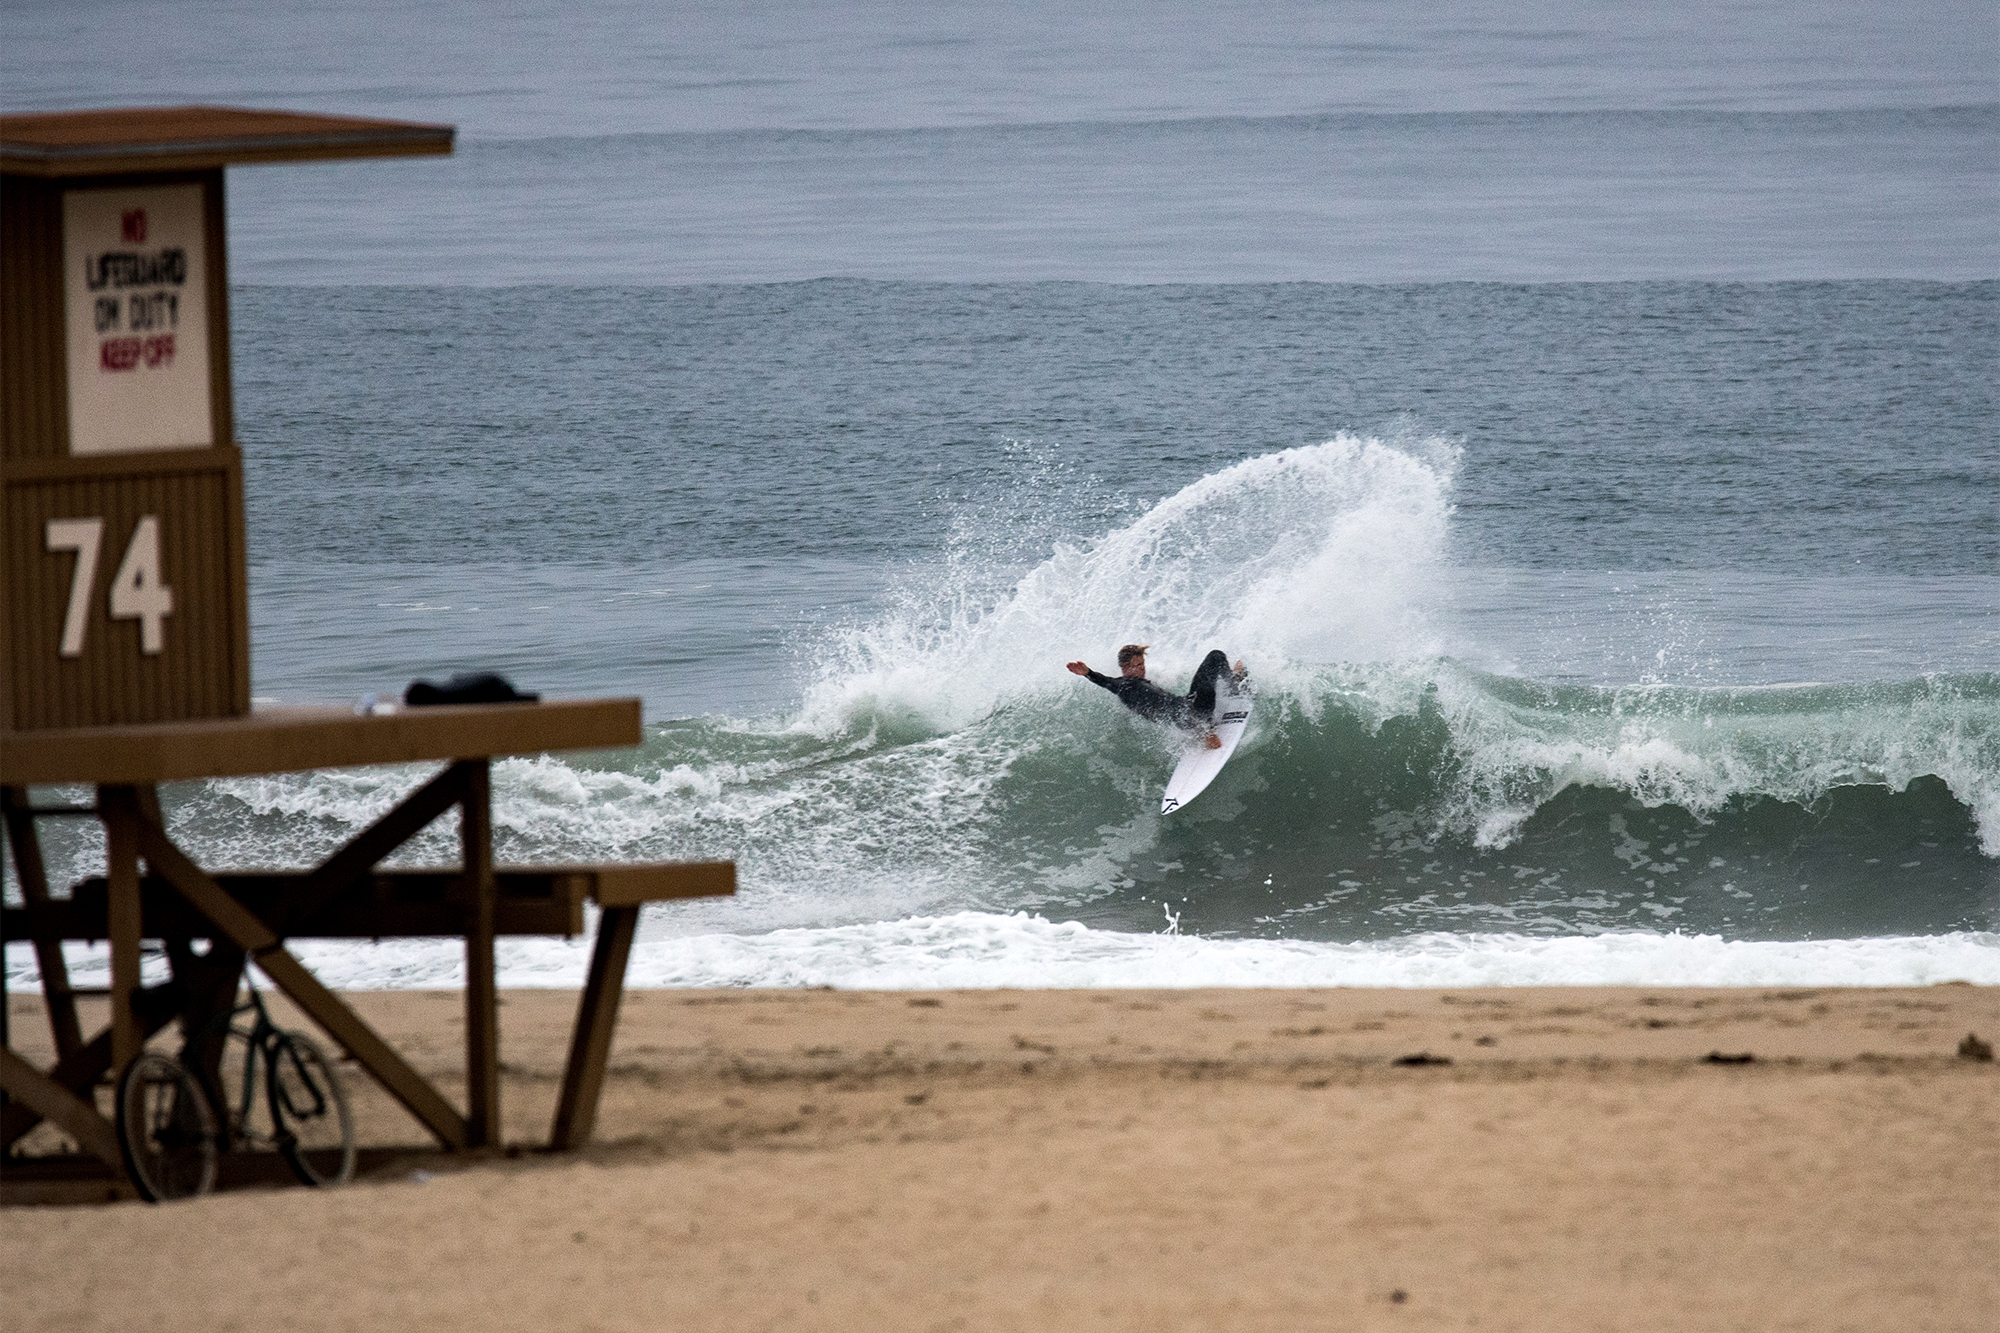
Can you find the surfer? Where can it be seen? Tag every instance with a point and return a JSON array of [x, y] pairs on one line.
[[1193, 711]]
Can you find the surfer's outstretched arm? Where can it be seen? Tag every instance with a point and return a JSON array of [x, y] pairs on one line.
[[1137, 693], [1113, 683]]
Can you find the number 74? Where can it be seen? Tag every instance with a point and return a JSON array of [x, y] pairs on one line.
[[138, 591]]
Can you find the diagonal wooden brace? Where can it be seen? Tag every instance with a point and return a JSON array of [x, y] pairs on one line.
[[409, 818], [327, 1009], [82, 1069], [50, 1100], [57, 996]]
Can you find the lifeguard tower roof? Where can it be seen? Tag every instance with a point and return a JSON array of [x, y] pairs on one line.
[[196, 138]]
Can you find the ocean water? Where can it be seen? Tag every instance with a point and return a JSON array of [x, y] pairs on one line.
[[1581, 422]]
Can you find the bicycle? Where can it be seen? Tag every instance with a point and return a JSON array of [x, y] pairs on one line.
[[170, 1135], [310, 1124]]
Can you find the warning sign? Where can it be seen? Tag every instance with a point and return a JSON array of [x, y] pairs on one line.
[[135, 295]]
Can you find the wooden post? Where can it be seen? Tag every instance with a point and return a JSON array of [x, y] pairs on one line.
[[596, 1020], [482, 1009], [205, 991], [117, 807], [44, 1098]]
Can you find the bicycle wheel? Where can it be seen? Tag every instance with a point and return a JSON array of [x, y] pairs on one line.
[[309, 1114], [166, 1130]]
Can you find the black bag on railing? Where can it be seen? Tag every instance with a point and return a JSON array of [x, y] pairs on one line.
[[482, 687]]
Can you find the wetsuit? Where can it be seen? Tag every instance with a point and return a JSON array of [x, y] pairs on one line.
[[1193, 711]]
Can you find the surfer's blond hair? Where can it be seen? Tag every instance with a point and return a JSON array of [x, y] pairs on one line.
[[1132, 650]]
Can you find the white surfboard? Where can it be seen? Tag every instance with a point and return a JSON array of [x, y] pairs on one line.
[[1199, 764]]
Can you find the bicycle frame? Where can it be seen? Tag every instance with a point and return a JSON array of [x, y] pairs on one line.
[[300, 1091], [259, 1038]]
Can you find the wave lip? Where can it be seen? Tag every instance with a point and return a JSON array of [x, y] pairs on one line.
[[985, 951]]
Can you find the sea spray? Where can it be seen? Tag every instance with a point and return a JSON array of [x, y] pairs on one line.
[[1328, 552]]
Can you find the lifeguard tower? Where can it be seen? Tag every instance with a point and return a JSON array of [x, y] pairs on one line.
[[126, 653]]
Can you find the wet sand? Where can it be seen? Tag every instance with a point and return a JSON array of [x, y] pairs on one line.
[[1122, 1160]]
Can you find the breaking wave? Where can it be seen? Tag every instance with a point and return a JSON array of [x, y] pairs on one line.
[[941, 762]]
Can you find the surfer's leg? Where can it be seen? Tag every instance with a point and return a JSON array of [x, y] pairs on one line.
[[1201, 697]]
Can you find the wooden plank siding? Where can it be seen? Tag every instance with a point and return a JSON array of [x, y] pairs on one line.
[[34, 371], [196, 494], [34, 379], [203, 668]]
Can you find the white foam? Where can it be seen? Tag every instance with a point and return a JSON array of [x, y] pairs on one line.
[[1701, 750], [1326, 552], [975, 950]]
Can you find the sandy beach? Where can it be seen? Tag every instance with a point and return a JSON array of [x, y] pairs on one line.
[[1243, 1159]]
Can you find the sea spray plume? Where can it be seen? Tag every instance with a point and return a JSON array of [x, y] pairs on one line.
[[1319, 553]]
